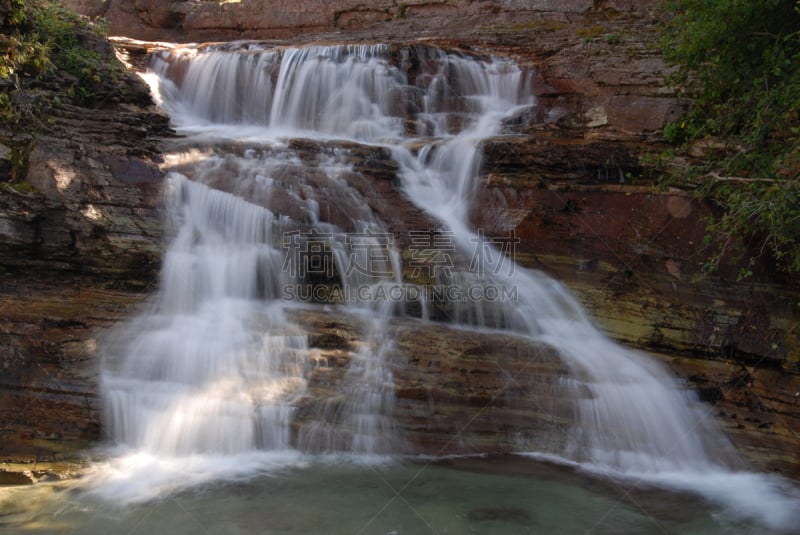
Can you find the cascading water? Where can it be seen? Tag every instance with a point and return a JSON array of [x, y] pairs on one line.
[[206, 372], [632, 416], [217, 367]]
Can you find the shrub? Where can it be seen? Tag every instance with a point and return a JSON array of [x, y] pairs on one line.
[[739, 61], [40, 37]]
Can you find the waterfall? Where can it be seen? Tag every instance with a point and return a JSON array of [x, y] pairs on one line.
[[632, 415], [205, 371], [217, 367], [336, 91]]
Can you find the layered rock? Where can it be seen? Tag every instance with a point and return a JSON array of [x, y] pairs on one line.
[[457, 391], [80, 240], [50, 332], [92, 189], [634, 255], [205, 20]]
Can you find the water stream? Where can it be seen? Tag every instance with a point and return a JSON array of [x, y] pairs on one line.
[[204, 385]]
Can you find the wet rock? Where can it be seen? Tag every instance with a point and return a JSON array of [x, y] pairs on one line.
[[48, 356], [465, 392], [16, 478], [710, 393], [5, 163], [79, 218], [755, 406], [456, 391], [93, 187], [630, 254], [27, 473]]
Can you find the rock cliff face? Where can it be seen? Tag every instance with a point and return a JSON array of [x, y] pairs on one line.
[[78, 245], [207, 20], [569, 183], [633, 255], [458, 392]]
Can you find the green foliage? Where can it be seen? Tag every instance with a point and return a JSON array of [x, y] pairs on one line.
[[19, 53], [41, 37], [67, 35], [680, 132], [23, 187], [739, 62], [20, 154], [769, 213], [48, 55], [7, 114], [13, 13]]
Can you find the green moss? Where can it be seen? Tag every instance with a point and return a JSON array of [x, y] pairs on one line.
[[23, 187], [547, 26], [589, 33]]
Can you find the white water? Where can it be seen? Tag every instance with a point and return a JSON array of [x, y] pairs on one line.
[[207, 371], [216, 367]]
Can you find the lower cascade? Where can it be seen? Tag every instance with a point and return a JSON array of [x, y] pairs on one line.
[[270, 202]]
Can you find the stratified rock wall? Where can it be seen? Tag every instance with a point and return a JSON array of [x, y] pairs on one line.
[[206, 20], [80, 239], [458, 392], [91, 201]]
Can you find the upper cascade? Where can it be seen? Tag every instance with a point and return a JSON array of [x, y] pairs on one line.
[[370, 93]]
